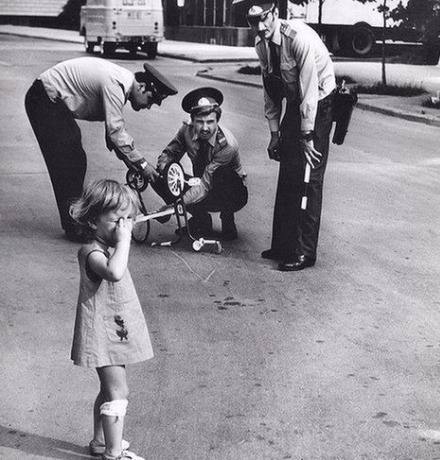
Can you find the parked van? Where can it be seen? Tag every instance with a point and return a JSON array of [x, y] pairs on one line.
[[131, 24]]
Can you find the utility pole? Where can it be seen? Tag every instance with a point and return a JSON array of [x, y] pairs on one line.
[[384, 13], [320, 16], [282, 6]]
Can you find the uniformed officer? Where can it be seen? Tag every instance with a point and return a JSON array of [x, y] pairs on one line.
[[213, 151], [90, 89], [296, 66]]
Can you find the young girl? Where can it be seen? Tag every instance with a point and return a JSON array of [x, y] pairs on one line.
[[110, 329]]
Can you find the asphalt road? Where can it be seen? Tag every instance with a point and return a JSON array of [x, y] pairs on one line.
[[336, 362]]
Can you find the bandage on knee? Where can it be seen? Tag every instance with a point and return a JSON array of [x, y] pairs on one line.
[[115, 408]]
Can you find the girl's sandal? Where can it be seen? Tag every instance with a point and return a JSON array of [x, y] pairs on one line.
[[98, 448], [125, 455]]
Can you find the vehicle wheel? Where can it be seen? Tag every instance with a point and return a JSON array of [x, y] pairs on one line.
[[107, 49], [151, 49], [89, 46], [362, 41]]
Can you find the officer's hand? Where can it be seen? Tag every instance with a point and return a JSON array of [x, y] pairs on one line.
[[150, 173], [161, 165], [274, 146], [244, 179], [313, 157]]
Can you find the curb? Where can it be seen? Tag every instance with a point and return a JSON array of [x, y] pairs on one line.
[[361, 105], [78, 40], [202, 60], [205, 74], [176, 55], [398, 114]]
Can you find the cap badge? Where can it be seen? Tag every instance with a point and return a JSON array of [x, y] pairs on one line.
[[203, 102], [255, 10]]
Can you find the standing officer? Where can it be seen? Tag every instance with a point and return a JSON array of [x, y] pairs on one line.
[[213, 151], [295, 65], [90, 89]]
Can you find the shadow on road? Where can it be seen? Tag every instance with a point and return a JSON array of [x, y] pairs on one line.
[[28, 443]]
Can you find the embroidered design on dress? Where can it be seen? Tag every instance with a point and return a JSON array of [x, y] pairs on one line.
[[122, 333]]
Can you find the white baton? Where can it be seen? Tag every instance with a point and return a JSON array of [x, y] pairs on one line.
[[306, 182]]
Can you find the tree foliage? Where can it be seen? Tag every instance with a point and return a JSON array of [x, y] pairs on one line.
[[422, 16], [70, 16]]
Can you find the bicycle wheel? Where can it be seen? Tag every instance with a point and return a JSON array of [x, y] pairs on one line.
[[174, 178], [136, 180]]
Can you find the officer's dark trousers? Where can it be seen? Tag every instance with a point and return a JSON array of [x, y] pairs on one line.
[[295, 231], [227, 196], [59, 138]]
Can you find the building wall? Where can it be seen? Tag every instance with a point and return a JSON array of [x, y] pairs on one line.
[[207, 21], [50, 8], [232, 36], [205, 13]]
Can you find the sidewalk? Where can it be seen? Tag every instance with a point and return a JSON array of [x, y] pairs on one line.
[[410, 108]]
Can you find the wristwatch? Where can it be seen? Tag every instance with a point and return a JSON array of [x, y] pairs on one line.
[[142, 164], [307, 135]]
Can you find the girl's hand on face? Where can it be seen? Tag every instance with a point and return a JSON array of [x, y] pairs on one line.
[[123, 229]]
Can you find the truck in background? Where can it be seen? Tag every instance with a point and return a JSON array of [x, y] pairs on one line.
[[131, 24], [347, 26]]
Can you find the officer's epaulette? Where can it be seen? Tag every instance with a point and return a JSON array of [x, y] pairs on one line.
[[221, 139], [286, 30]]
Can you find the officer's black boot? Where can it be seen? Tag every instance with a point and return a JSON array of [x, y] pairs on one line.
[[200, 224], [229, 230]]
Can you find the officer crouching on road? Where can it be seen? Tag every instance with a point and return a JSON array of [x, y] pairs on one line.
[[295, 66], [91, 89], [213, 151]]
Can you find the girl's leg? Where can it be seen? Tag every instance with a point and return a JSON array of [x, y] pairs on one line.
[[115, 391], [98, 433]]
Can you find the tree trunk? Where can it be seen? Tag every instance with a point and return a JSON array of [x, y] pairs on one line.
[[384, 13], [320, 16]]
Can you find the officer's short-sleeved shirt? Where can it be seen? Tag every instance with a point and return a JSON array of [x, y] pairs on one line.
[[305, 65], [94, 89]]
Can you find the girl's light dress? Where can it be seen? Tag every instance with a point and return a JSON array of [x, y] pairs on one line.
[[110, 328]]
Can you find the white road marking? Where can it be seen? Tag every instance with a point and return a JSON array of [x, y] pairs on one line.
[[430, 434]]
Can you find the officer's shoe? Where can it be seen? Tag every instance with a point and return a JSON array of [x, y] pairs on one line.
[[271, 254], [296, 264], [229, 230]]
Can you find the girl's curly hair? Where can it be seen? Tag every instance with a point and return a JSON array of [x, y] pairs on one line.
[[100, 197]]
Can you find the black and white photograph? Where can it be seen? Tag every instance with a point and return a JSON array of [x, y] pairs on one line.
[[220, 229]]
